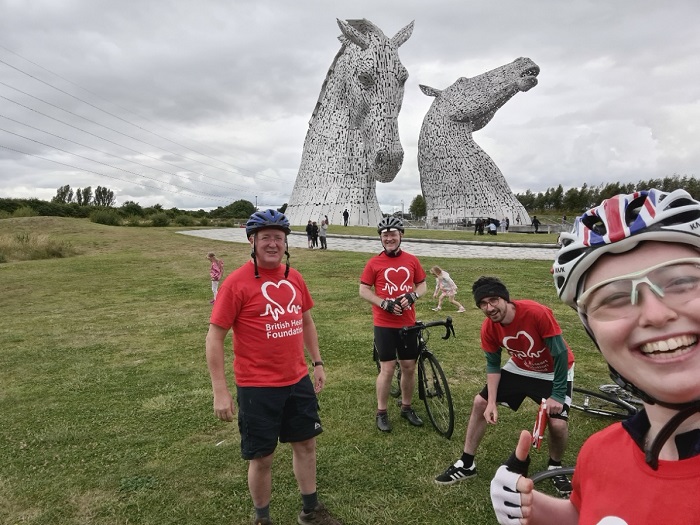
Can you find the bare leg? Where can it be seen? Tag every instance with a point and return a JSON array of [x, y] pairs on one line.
[[558, 437], [476, 427], [384, 383], [408, 380], [304, 465], [260, 480]]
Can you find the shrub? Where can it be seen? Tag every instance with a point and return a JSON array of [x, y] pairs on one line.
[[133, 220], [108, 217], [202, 222], [4, 214], [184, 220], [160, 219], [25, 211]]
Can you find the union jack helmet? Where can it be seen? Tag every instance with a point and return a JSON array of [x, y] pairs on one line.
[[618, 225]]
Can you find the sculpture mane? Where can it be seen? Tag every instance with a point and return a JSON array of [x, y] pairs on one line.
[[353, 138], [458, 179]]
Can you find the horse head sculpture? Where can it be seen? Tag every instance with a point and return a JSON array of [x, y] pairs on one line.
[[353, 138], [459, 180]]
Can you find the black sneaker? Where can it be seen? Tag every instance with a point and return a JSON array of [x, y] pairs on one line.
[[455, 473], [383, 422], [412, 417], [561, 483], [318, 516]]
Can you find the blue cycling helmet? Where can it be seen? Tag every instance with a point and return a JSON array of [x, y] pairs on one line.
[[267, 219]]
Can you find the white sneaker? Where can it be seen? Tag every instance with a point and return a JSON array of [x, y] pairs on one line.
[[436, 309]]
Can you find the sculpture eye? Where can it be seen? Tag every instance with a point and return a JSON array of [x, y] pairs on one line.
[[365, 79], [403, 75]]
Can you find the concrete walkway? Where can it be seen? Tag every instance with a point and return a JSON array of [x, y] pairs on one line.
[[420, 247]]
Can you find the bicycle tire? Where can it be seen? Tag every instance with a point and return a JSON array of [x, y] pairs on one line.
[[622, 394], [540, 478], [396, 381], [435, 393], [599, 404]]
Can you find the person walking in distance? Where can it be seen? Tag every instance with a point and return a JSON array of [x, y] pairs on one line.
[[392, 282], [346, 217], [215, 272], [536, 223], [310, 235], [276, 398], [445, 287], [323, 230], [630, 267], [541, 366]]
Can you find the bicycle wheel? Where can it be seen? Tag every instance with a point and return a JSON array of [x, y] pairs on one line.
[[396, 381], [541, 480], [599, 404], [620, 393], [435, 393]]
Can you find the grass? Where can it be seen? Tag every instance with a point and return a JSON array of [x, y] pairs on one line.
[[106, 399]]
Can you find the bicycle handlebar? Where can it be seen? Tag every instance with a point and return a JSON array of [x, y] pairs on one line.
[[420, 326]]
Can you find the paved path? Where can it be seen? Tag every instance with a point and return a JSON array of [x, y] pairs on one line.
[[420, 247]]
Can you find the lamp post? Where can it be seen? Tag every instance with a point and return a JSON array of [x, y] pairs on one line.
[[256, 203], [401, 209]]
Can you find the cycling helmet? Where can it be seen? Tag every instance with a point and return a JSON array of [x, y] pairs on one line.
[[618, 225], [267, 219], [390, 224]]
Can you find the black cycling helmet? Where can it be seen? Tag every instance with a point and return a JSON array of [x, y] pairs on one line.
[[261, 220], [390, 224], [267, 219]]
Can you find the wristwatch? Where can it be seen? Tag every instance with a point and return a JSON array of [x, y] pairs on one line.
[[318, 363]]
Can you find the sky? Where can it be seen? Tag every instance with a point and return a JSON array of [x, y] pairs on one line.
[[196, 104]]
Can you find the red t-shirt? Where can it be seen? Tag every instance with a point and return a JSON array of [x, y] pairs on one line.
[[613, 484], [523, 338], [266, 317], [393, 277]]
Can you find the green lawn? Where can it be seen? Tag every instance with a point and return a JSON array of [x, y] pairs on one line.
[[106, 400]]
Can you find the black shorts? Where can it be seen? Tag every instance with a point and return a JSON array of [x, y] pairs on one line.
[[390, 344], [268, 414], [514, 388]]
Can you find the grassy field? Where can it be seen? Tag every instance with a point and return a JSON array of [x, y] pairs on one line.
[[106, 400]]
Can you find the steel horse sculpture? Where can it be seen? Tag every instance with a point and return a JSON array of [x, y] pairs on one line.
[[353, 138], [458, 179]]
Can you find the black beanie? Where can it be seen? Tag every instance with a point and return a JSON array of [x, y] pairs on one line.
[[489, 287]]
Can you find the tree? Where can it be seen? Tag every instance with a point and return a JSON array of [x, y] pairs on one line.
[[132, 208], [64, 195], [241, 209], [84, 196], [104, 197], [418, 207]]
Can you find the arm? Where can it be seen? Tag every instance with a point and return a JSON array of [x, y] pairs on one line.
[[224, 408], [311, 345], [513, 494], [491, 412], [560, 354]]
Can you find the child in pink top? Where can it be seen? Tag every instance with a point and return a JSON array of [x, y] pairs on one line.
[[216, 271]]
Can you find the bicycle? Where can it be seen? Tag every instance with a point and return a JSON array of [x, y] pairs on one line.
[[432, 383], [612, 401], [538, 478]]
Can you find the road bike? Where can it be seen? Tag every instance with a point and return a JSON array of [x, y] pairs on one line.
[[611, 401], [541, 480], [432, 383]]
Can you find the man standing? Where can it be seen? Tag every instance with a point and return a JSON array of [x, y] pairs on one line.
[[541, 366], [267, 304], [536, 223], [398, 280], [346, 216]]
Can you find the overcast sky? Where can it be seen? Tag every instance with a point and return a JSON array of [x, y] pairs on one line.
[[198, 103]]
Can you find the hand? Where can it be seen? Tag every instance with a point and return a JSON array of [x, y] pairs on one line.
[[319, 378], [224, 407], [491, 413], [390, 306], [511, 490], [410, 297], [554, 406]]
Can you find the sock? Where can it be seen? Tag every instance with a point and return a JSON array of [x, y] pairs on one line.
[[309, 502], [553, 463], [263, 512], [405, 407], [467, 459], [380, 412]]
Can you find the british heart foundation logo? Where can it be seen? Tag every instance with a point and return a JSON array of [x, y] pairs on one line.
[[396, 280], [280, 299], [521, 346]]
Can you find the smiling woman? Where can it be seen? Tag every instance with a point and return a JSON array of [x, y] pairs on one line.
[[630, 268]]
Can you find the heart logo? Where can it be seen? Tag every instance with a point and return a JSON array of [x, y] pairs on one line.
[[277, 295], [520, 345], [401, 275]]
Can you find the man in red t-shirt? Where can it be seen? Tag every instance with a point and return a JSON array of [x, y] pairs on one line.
[[540, 366], [268, 306], [398, 280]]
